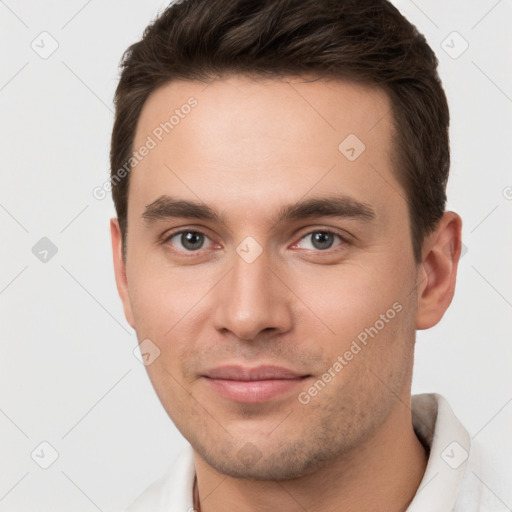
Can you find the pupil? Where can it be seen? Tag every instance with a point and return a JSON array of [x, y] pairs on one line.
[[192, 241], [322, 240]]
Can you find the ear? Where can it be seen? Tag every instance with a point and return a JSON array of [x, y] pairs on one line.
[[437, 272], [120, 270]]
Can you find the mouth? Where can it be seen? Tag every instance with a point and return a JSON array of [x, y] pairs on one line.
[[252, 385]]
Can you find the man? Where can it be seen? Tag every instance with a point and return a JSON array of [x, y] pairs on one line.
[[279, 172]]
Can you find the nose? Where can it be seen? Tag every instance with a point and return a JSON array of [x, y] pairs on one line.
[[252, 299]]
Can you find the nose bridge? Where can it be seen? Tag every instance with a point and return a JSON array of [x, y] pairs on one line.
[[251, 300]]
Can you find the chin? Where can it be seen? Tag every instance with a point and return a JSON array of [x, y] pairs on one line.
[[248, 462]]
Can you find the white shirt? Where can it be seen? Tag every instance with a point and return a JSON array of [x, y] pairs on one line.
[[456, 479]]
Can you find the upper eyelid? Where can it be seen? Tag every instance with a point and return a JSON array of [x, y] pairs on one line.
[[171, 232], [331, 231]]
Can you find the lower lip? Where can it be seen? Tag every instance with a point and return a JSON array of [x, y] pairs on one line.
[[254, 391]]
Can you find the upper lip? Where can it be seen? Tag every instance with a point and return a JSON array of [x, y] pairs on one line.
[[244, 373]]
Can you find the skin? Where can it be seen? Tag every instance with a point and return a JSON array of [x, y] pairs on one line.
[[249, 148]]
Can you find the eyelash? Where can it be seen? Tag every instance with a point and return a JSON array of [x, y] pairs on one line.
[[343, 240]]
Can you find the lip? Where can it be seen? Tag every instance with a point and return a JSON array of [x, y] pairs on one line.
[[252, 385]]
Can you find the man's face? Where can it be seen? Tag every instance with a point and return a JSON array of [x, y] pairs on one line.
[[301, 260]]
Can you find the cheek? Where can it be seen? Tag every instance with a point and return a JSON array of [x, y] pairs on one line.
[[349, 297], [369, 311], [163, 296]]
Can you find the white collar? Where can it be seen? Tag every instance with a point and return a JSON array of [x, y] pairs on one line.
[[436, 426]]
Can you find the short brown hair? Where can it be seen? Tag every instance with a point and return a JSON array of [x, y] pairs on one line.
[[368, 41]]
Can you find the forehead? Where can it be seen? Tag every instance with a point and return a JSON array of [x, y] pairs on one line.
[[288, 108], [263, 138]]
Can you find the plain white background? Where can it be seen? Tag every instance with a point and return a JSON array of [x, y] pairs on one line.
[[67, 370]]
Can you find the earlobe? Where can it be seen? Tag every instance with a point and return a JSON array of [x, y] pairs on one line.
[[120, 270], [438, 271]]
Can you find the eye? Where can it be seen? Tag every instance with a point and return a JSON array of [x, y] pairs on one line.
[[319, 240], [188, 241]]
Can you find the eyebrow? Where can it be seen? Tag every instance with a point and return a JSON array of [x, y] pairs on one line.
[[167, 207]]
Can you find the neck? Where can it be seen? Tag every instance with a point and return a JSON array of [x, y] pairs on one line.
[[383, 473]]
